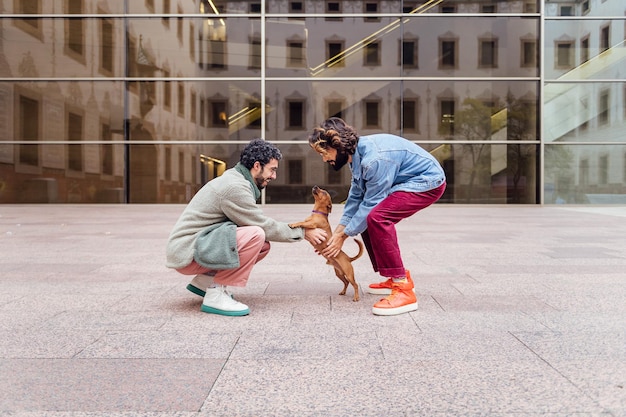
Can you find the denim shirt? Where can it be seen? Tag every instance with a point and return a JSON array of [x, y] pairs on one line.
[[383, 164]]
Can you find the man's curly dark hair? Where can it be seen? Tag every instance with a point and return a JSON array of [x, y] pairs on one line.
[[259, 150], [334, 133]]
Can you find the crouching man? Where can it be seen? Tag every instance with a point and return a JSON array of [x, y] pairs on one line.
[[222, 233]]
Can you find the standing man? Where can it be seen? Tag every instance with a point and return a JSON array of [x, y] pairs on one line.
[[392, 179], [223, 233]]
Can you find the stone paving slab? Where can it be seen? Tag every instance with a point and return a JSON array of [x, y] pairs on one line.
[[521, 314], [106, 385], [357, 387]]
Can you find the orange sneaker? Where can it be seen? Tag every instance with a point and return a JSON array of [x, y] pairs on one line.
[[384, 288], [401, 300]]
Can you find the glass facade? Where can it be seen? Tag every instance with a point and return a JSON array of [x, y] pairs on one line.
[[144, 101]]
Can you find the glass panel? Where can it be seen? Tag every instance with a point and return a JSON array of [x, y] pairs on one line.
[[585, 174], [93, 47], [157, 110], [296, 106], [347, 7], [489, 174], [160, 7], [231, 47], [444, 46], [61, 6], [418, 110], [158, 173], [584, 49], [43, 112], [173, 173], [81, 48], [230, 7], [587, 8], [585, 112], [51, 173], [299, 170], [193, 47], [194, 110], [136, 6], [61, 111], [477, 174], [470, 110], [317, 47], [322, 48]]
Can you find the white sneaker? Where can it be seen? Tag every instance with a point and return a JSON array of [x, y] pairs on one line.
[[199, 282], [219, 301]]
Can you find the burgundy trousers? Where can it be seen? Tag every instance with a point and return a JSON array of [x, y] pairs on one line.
[[380, 238]]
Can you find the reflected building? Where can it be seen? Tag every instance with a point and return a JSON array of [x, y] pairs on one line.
[[584, 102], [144, 101]]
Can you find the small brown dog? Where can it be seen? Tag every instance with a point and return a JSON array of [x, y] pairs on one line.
[[319, 218]]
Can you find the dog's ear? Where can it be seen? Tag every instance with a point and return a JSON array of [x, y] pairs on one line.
[[329, 207]]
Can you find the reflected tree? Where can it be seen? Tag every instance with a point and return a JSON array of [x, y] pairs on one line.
[[559, 173], [485, 165], [473, 123], [521, 126]]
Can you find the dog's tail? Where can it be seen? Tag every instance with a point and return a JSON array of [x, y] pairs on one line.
[[358, 255]]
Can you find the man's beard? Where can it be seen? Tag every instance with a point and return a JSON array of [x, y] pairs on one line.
[[340, 160], [259, 182]]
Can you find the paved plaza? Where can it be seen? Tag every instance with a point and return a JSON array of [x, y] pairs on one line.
[[522, 313]]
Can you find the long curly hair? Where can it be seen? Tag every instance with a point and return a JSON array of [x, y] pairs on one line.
[[334, 133], [259, 150]]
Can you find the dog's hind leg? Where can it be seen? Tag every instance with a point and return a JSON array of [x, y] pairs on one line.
[[343, 279], [356, 290]]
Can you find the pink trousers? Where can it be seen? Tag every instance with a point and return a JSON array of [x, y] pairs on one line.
[[252, 248], [380, 238]]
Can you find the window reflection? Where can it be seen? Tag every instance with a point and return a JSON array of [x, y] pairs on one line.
[[148, 107], [592, 112], [578, 174]]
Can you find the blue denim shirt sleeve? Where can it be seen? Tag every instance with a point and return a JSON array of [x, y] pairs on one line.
[[378, 176]]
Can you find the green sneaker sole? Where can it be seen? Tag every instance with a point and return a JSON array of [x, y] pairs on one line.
[[212, 310], [199, 292], [196, 290]]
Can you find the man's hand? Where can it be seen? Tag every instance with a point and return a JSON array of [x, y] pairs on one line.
[[334, 244], [315, 236]]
